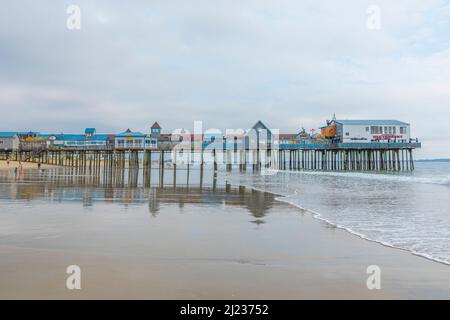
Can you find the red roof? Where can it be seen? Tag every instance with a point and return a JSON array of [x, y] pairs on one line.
[[287, 135], [156, 126], [165, 137]]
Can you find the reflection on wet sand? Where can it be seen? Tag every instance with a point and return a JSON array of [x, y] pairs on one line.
[[128, 187]]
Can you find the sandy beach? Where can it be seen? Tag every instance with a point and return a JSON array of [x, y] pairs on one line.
[[199, 245], [4, 165]]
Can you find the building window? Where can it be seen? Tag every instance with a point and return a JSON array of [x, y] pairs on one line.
[[376, 130], [367, 129], [347, 134], [402, 130], [394, 130]]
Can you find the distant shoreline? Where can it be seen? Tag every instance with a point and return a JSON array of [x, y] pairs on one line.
[[433, 160]]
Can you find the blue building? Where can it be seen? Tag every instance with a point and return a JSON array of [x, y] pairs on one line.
[[154, 136], [90, 139], [89, 132], [129, 140], [155, 129]]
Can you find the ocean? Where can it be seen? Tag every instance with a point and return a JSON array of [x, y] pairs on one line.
[[409, 210]]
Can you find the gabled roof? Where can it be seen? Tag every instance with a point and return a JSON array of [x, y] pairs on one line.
[[156, 126], [372, 122], [260, 125], [8, 134], [130, 133]]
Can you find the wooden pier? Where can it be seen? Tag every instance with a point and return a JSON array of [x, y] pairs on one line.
[[323, 157]]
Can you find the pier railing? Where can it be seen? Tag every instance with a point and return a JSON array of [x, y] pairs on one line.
[[211, 146], [380, 145], [344, 146], [81, 148], [229, 146]]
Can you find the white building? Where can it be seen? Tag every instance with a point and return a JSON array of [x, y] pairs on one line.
[[366, 131], [9, 141]]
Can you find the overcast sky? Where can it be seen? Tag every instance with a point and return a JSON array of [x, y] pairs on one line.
[[228, 63]]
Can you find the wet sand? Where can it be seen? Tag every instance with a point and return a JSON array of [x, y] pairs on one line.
[[199, 245]]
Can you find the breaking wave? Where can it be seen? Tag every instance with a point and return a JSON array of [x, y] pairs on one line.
[[419, 227]]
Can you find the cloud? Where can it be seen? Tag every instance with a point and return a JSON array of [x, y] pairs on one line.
[[228, 63]]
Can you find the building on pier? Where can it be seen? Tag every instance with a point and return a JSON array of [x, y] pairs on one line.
[[9, 141], [301, 137], [158, 140], [32, 142], [153, 139], [89, 132], [366, 131], [287, 138], [258, 137], [27, 135], [78, 141], [130, 140], [155, 129], [234, 139]]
